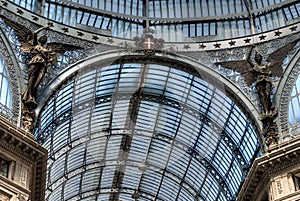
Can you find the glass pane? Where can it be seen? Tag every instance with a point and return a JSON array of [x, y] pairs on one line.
[[150, 125]]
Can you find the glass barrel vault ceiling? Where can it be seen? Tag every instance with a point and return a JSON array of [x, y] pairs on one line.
[[144, 132], [175, 20]]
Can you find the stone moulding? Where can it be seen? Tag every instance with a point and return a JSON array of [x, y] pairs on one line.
[[18, 144], [272, 163]]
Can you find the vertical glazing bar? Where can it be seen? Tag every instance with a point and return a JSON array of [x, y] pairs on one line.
[[194, 9], [147, 12], [180, 6], [166, 8]]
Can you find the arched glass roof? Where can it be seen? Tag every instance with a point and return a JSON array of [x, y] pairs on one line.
[[144, 132], [5, 92], [173, 20]]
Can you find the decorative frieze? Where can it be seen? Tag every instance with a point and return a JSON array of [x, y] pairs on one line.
[[27, 163]]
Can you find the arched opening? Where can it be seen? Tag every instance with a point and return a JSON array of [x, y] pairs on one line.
[[149, 128], [5, 91]]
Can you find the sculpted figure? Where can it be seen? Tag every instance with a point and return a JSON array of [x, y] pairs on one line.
[[263, 85], [41, 54], [37, 67], [259, 72]]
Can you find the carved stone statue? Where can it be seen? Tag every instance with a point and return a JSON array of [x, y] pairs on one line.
[[28, 119]]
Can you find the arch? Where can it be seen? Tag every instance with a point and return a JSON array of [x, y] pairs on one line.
[[198, 126], [193, 66], [283, 94], [5, 98], [15, 76]]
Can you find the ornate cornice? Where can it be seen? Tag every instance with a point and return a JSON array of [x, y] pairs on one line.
[[22, 146], [278, 159], [19, 142]]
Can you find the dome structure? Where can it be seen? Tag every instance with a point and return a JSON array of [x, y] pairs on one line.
[[135, 130], [143, 105]]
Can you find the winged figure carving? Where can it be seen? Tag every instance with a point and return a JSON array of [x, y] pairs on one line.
[[42, 55], [259, 72]]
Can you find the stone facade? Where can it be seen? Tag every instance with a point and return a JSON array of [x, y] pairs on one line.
[[275, 176], [23, 176]]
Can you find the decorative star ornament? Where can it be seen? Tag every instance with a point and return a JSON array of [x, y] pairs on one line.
[[79, 33], [278, 33], [186, 46], [262, 37], [202, 46], [65, 29], [34, 18], [232, 43], [217, 45], [4, 3], [293, 28], [247, 40], [110, 40], [19, 11], [94, 37]]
